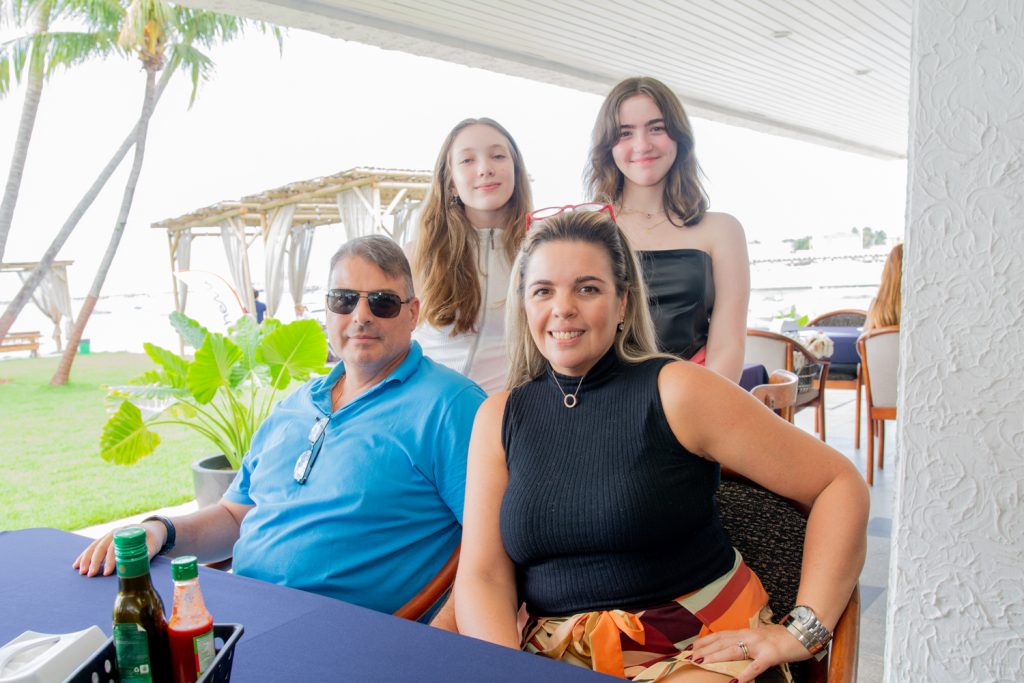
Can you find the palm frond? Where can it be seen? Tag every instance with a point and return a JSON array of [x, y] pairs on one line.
[[103, 15], [69, 48], [198, 66], [13, 55]]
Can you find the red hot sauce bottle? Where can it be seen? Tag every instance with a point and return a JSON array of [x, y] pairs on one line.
[[190, 630]]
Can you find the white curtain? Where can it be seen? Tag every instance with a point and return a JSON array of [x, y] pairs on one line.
[[300, 246], [273, 258], [406, 219], [232, 234], [54, 300], [356, 213], [182, 261]]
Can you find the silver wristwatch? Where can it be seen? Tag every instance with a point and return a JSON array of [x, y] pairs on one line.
[[804, 624]]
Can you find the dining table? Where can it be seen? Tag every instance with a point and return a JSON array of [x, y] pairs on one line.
[[289, 635], [844, 358]]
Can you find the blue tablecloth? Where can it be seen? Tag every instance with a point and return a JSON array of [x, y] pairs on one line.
[[289, 635], [753, 374], [844, 343]]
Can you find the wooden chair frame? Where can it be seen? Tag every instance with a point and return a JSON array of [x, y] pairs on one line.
[[818, 402], [419, 604], [779, 394], [857, 383], [876, 415], [433, 592]]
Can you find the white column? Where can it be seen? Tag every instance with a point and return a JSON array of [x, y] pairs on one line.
[[956, 582]]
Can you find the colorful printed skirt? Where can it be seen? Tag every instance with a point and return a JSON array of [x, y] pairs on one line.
[[649, 645]]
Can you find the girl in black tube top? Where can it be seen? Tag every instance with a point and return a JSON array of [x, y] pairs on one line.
[[590, 489], [695, 262]]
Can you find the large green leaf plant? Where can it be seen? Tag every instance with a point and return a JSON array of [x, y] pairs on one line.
[[224, 392]]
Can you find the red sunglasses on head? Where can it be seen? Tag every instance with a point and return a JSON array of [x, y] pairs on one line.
[[552, 211]]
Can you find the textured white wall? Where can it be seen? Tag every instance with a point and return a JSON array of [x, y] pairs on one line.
[[956, 601]]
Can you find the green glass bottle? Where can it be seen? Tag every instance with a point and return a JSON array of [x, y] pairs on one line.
[[140, 628]]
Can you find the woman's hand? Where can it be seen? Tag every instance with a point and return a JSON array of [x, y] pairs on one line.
[[766, 646]]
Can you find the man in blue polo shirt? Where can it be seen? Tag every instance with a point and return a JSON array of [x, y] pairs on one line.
[[353, 487]]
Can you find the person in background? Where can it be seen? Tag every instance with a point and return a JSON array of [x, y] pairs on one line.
[[695, 263], [353, 487], [473, 222], [590, 491], [884, 310], [261, 308]]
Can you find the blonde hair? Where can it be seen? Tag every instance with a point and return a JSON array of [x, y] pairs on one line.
[[445, 257], [684, 194], [635, 343], [885, 309]]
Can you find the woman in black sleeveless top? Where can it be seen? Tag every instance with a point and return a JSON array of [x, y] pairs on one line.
[[643, 159], [590, 493]]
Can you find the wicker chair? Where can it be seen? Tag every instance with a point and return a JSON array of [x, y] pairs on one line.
[[843, 317], [880, 356], [768, 530], [841, 377], [777, 351]]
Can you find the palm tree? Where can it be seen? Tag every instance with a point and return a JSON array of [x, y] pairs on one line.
[[152, 30], [37, 55]]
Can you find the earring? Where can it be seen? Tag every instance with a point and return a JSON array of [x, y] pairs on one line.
[[622, 325], [455, 201]]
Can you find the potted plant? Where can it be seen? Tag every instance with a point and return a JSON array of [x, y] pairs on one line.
[[224, 392]]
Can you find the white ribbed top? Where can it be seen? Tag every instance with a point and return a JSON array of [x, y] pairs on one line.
[[479, 356]]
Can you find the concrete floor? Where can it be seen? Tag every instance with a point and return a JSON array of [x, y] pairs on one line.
[[839, 431]]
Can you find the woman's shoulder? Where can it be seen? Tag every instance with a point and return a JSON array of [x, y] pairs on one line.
[[716, 220], [723, 234]]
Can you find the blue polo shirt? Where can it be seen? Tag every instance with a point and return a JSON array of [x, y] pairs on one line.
[[381, 511]]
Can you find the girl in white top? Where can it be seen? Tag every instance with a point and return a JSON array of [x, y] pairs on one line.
[[472, 224]]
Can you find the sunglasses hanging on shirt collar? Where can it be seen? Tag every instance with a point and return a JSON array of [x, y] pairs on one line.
[[304, 463]]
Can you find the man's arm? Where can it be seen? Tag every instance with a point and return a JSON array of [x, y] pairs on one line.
[[209, 534]]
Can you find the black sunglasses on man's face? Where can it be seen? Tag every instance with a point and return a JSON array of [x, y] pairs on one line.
[[382, 304]]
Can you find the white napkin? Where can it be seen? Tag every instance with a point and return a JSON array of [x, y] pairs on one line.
[[41, 657]]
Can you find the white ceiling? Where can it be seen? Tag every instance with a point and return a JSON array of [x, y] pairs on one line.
[[835, 72]]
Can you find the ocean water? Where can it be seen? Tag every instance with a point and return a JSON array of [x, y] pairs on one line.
[[125, 322]]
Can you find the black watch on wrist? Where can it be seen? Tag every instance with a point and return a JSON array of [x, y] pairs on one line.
[[805, 626], [172, 535]]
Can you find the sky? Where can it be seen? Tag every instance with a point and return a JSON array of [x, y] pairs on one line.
[[325, 105]]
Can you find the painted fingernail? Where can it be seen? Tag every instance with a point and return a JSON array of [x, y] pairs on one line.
[[688, 647], [698, 660], [688, 657], [735, 680]]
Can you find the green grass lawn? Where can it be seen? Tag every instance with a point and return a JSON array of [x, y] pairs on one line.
[[49, 445]]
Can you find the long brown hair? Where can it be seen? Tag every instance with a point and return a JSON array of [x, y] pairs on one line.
[[684, 194], [886, 308], [445, 258], [636, 342]]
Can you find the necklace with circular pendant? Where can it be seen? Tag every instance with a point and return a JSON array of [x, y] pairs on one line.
[[568, 400]]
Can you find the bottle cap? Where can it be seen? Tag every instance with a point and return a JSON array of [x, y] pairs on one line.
[[184, 568], [130, 542], [131, 552]]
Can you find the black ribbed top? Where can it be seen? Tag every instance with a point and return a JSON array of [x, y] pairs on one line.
[[681, 296], [604, 508]]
